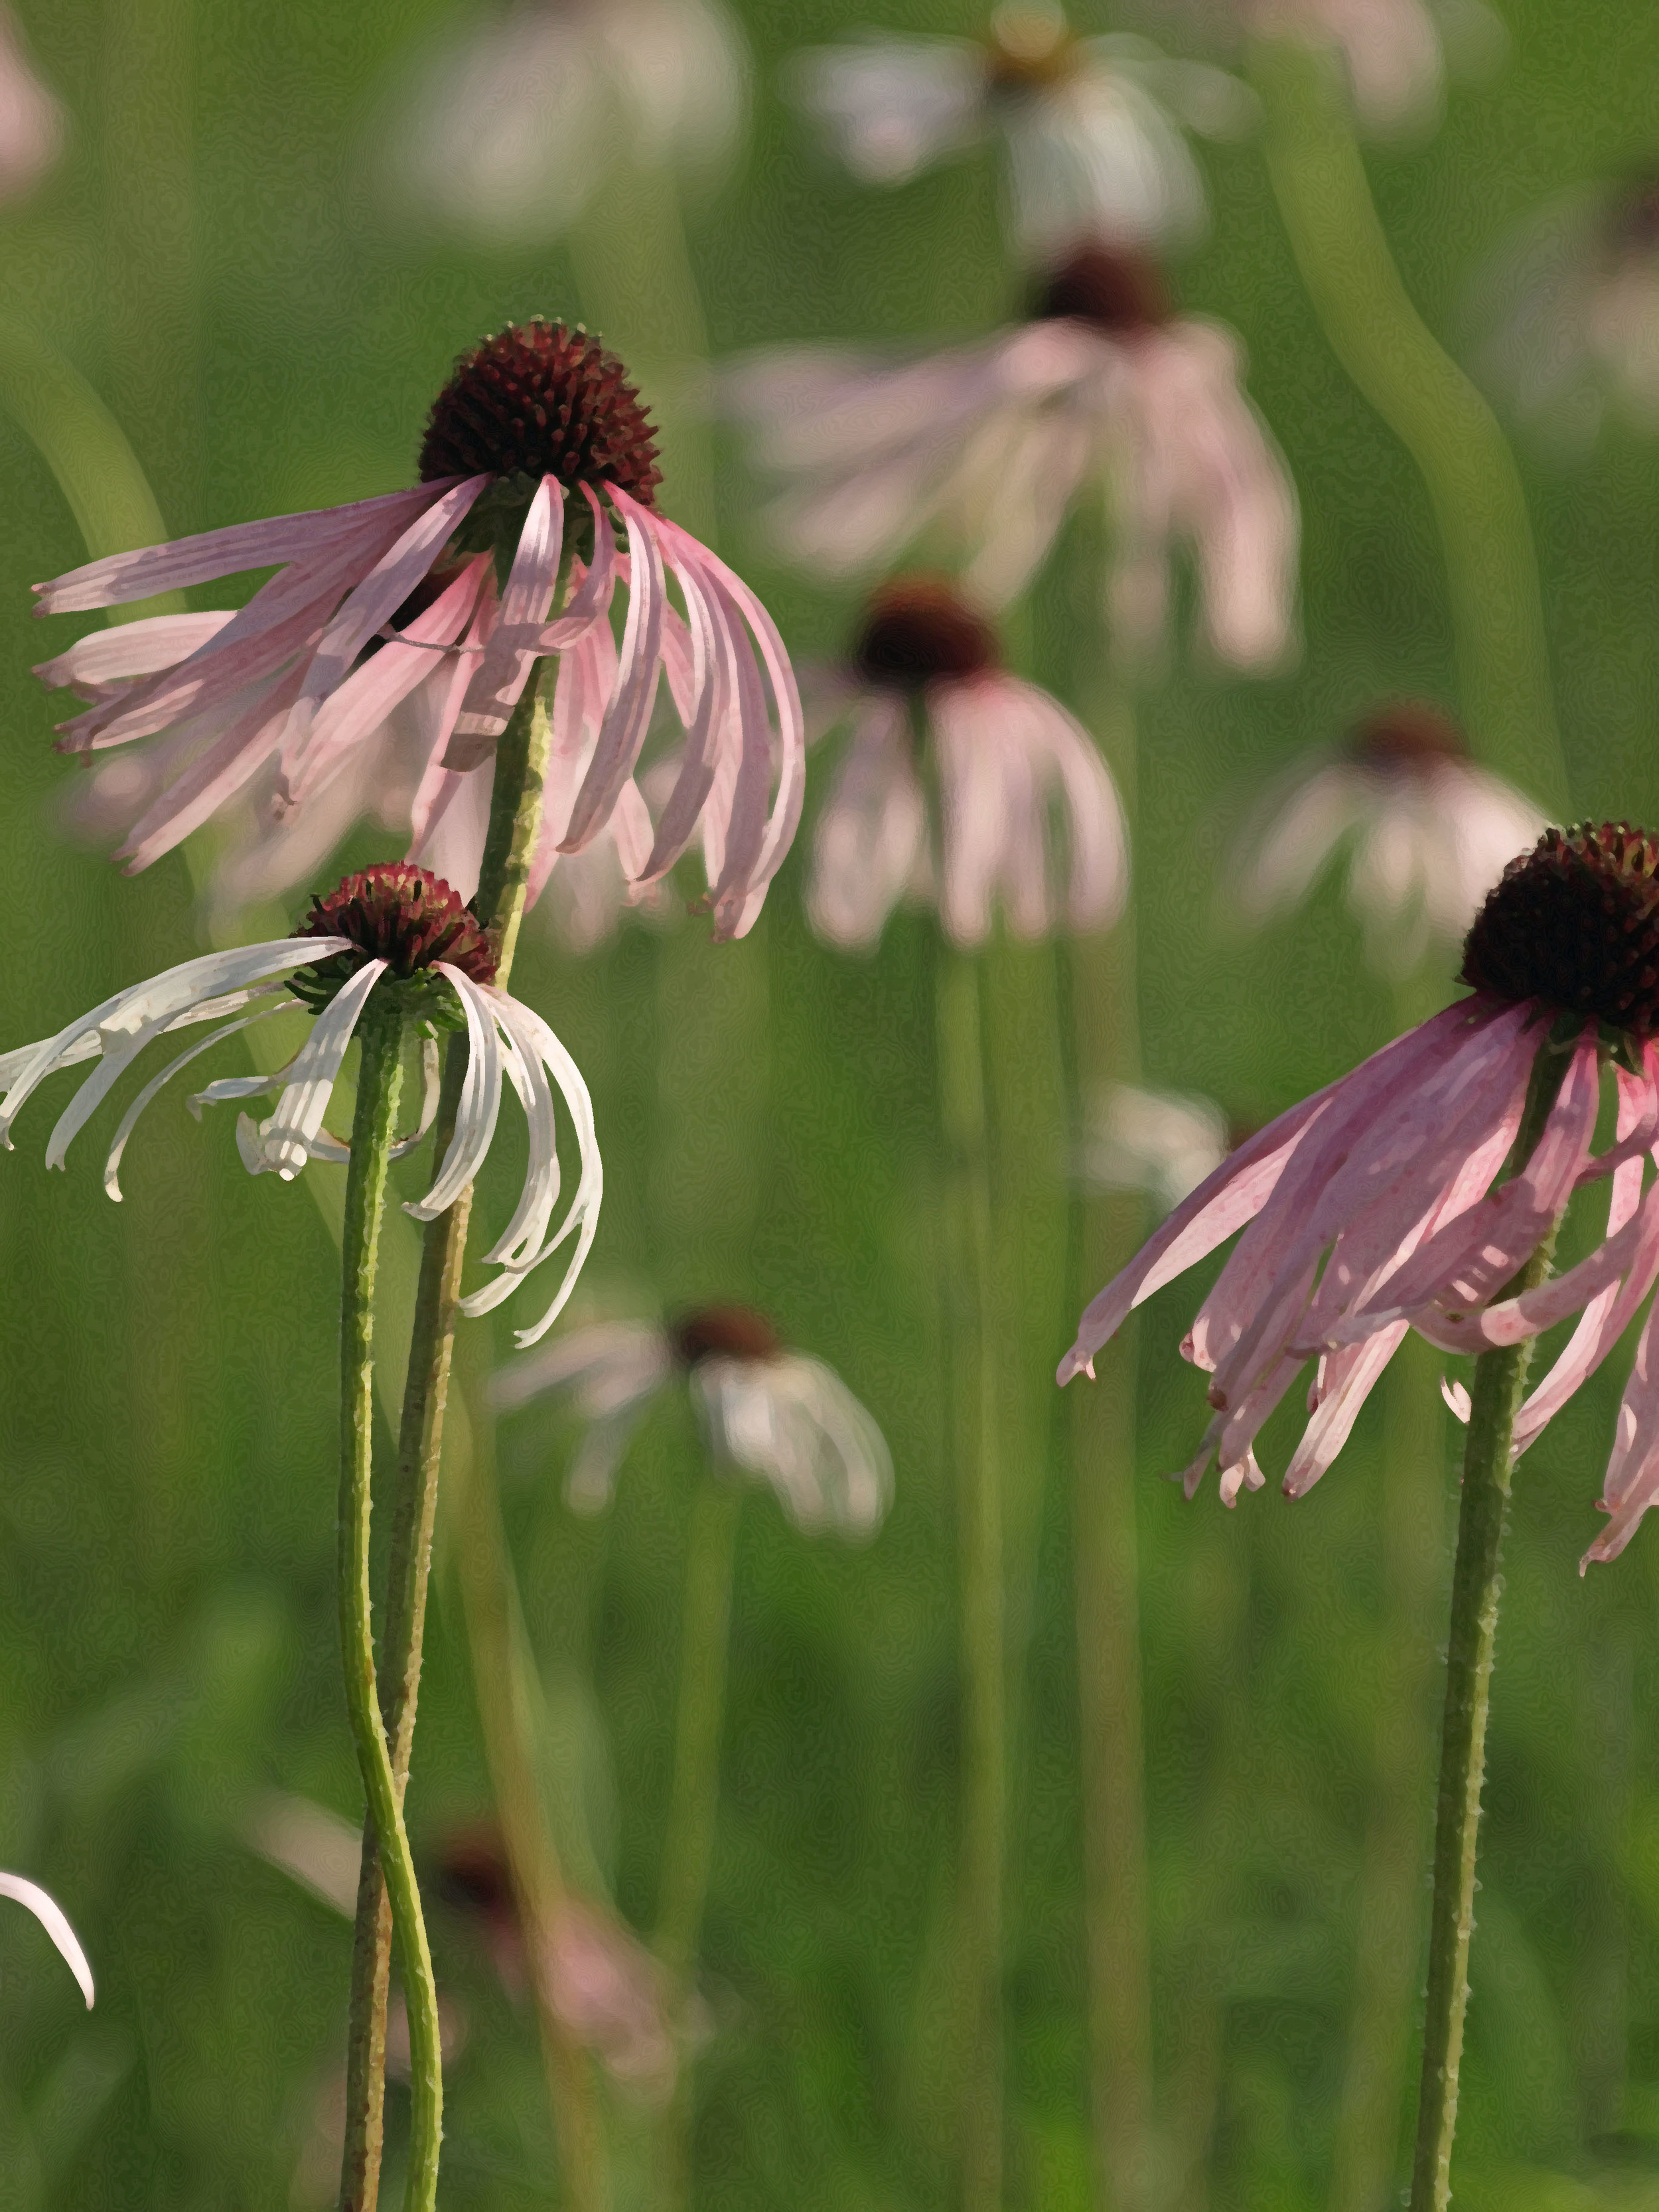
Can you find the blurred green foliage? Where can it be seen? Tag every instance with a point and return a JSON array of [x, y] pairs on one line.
[[207, 255]]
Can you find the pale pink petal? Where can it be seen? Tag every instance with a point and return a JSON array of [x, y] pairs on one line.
[[221, 771], [871, 831], [134, 648], [1349, 1379], [630, 712], [1633, 1478], [150, 568], [514, 640]]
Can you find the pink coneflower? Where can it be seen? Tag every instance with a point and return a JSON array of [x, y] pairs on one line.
[[1103, 389], [1373, 1207], [1565, 315], [1428, 832], [31, 120], [954, 775], [538, 466], [1090, 128], [508, 124], [392, 942], [762, 1409]]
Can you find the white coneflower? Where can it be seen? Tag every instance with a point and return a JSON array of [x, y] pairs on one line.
[[1429, 832], [53, 1918], [1103, 392], [1565, 315], [955, 779], [391, 930], [506, 125], [1092, 128], [538, 459], [772, 1413], [1165, 1143]]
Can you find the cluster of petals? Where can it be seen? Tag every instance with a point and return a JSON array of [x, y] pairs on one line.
[[509, 1045], [1006, 763], [1425, 838], [505, 127], [293, 686], [786, 1419], [1370, 1208], [1092, 128], [1564, 317], [994, 441]]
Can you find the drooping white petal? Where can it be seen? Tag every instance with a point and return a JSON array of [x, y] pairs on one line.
[[53, 1918], [299, 1117], [480, 1101]]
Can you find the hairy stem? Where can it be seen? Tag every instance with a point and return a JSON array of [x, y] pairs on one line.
[[514, 821], [1499, 1378], [378, 1086], [984, 1786], [1319, 178]]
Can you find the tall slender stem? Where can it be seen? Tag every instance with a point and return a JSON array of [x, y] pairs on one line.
[[984, 1809], [377, 1085], [1499, 1378], [1318, 174], [514, 821], [694, 1800]]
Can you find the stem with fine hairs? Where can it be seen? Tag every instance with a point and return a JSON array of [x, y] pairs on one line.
[[1488, 1468], [510, 842], [979, 1537], [1319, 179], [378, 1083]]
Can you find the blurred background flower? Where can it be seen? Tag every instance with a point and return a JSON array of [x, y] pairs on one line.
[[512, 118]]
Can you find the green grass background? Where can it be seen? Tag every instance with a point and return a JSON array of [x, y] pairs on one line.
[[205, 255]]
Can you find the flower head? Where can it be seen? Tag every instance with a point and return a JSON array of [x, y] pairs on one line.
[[1565, 315], [1375, 1205], [53, 1918], [538, 465], [610, 1992], [392, 942], [1427, 832], [1102, 389], [507, 128], [954, 775], [1090, 128], [772, 1413]]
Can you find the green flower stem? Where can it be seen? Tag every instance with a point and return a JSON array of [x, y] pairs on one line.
[[1499, 1378], [509, 1699], [1319, 178], [378, 1086], [514, 821], [694, 1801], [973, 1383]]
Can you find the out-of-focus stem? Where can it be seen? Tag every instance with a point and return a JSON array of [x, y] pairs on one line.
[[377, 1085], [515, 820], [1319, 178], [973, 1375], [638, 290], [1387, 1949], [694, 1801], [1499, 1378], [508, 1691]]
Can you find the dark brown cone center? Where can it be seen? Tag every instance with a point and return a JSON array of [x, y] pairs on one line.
[[919, 630], [1112, 290], [725, 1332], [404, 915], [1575, 925], [1407, 736], [542, 399]]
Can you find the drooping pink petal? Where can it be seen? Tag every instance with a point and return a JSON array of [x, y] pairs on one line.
[[626, 719], [1633, 1478], [514, 640], [220, 772], [1349, 1379], [120, 577], [130, 649], [871, 832]]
